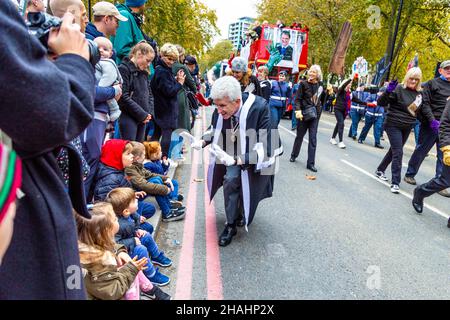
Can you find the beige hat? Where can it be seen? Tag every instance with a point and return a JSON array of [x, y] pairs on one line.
[[104, 8], [445, 64]]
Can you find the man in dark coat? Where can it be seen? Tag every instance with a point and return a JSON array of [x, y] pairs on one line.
[[441, 182], [241, 126], [44, 105], [435, 95]]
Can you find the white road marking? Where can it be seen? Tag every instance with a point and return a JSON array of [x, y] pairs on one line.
[[407, 195], [291, 133]]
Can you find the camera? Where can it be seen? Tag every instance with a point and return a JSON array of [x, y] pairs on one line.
[[39, 25]]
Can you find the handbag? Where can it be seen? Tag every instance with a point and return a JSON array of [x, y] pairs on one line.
[[310, 113], [193, 102]]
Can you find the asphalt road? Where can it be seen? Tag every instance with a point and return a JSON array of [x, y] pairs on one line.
[[341, 236]]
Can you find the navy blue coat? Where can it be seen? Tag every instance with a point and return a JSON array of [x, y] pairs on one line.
[[107, 179], [127, 231], [43, 105], [165, 90], [156, 167]]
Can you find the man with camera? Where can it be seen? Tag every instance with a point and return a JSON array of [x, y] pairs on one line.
[[76, 7], [44, 105], [92, 139]]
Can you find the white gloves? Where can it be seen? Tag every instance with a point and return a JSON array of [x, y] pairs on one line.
[[299, 115], [195, 143], [223, 157]]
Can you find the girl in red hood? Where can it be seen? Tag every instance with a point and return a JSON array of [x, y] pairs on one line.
[[116, 156]]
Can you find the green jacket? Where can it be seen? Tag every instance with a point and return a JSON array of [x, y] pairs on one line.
[[103, 279], [139, 179], [184, 113], [128, 34]]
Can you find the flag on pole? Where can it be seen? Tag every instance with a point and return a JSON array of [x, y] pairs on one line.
[[380, 71], [414, 63]]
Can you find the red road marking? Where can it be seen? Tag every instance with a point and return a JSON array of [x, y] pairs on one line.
[[185, 264], [213, 269]]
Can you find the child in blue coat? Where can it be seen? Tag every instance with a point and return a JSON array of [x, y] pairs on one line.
[[154, 164], [137, 241]]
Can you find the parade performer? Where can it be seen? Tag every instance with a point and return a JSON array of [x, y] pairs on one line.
[[241, 126], [308, 105], [402, 103]]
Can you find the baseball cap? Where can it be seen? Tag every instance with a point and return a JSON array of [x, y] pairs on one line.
[[104, 8], [445, 64]]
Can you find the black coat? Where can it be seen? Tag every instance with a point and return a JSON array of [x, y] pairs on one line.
[[444, 129], [165, 92], [435, 95], [306, 94], [260, 180], [397, 103], [134, 101], [341, 102], [252, 87], [44, 105]]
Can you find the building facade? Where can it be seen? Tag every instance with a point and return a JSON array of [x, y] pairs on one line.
[[237, 30]]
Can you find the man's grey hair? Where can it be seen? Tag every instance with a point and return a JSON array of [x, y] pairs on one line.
[[226, 87]]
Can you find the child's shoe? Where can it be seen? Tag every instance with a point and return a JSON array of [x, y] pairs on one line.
[[176, 204], [159, 279], [174, 215], [180, 197], [155, 294], [162, 260]]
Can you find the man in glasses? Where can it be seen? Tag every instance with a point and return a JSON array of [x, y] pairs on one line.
[[106, 21]]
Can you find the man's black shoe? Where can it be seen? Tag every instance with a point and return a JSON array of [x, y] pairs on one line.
[[227, 235], [360, 141], [448, 223], [379, 146], [240, 221], [417, 203], [312, 168], [354, 137], [292, 159]]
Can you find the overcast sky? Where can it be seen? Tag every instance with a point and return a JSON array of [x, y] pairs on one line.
[[229, 11]]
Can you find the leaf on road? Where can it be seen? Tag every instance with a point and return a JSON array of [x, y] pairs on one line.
[[310, 177], [198, 180]]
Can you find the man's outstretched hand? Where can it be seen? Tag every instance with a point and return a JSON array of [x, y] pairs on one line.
[[223, 157]]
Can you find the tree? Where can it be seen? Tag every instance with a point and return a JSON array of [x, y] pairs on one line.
[[220, 51], [189, 23], [424, 28], [186, 22]]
